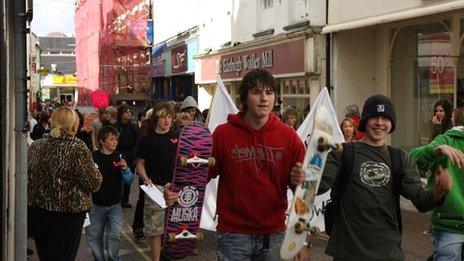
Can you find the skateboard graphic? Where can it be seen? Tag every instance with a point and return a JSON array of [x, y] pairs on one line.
[[182, 219], [318, 147]]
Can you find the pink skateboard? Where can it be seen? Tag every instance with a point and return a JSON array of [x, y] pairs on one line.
[[182, 219]]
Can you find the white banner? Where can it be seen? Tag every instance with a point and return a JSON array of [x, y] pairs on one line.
[[221, 106]]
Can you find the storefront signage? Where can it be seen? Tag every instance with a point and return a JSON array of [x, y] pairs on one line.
[[280, 58], [64, 79], [157, 61], [179, 59], [246, 62], [441, 75]]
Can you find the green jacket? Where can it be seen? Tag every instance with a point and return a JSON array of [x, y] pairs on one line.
[[427, 160]]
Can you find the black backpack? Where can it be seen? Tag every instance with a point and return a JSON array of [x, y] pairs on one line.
[[331, 209]]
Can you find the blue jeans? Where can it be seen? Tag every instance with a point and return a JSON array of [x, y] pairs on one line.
[[446, 246], [248, 247], [101, 218]]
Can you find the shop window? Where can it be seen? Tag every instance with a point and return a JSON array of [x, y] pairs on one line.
[[295, 92], [423, 73], [268, 3]]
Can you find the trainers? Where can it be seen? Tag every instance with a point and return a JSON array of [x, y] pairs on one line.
[[139, 235]]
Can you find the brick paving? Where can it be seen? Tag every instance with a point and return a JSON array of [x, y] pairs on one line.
[[416, 246]]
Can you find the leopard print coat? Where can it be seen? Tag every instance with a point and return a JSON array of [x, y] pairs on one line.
[[61, 175]]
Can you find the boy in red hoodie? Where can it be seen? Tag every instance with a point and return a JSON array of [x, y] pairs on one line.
[[257, 157]]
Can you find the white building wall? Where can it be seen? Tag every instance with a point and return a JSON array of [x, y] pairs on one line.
[[343, 11], [251, 16], [244, 20], [354, 68], [215, 22], [173, 17]]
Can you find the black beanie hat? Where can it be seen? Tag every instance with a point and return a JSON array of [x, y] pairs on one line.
[[377, 105]]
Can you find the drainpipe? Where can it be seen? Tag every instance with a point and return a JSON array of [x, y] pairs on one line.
[[327, 50], [20, 96], [3, 133]]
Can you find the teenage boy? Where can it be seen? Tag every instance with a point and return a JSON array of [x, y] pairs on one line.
[[156, 153], [367, 225], [129, 134], [257, 157], [106, 210]]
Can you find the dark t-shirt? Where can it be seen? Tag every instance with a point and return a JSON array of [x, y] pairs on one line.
[[110, 189], [159, 152], [366, 227]]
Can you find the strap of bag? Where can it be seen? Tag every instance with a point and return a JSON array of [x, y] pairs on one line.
[[396, 162], [342, 178]]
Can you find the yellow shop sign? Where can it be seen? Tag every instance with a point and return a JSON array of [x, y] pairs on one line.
[[65, 79]]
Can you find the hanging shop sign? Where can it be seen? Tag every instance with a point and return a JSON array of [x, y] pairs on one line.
[[179, 59]]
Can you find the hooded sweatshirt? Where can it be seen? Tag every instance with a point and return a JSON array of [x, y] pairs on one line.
[[190, 102], [427, 160], [254, 168]]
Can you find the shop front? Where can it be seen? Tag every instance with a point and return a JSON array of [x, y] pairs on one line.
[[60, 88], [173, 70], [291, 62], [417, 62]]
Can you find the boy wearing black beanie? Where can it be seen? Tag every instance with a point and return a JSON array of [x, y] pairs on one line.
[[367, 225]]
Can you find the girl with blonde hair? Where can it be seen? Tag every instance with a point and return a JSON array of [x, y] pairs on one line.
[[349, 130], [61, 178]]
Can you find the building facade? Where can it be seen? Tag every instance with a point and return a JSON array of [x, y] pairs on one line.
[[113, 52], [229, 38], [408, 50], [57, 62], [279, 36], [176, 36]]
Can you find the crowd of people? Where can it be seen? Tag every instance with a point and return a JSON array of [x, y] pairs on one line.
[[76, 168]]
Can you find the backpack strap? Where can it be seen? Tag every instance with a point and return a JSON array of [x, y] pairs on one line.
[[342, 178], [397, 168]]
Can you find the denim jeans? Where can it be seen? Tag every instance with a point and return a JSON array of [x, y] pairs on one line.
[[248, 247], [101, 218], [446, 246]]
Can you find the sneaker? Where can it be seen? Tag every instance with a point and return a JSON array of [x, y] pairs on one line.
[[139, 235]]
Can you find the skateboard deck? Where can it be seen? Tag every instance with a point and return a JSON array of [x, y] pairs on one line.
[[182, 219], [318, 146]]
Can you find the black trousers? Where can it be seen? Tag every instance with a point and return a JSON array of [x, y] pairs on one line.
[[138, 214], [57, 235], [126, 187]]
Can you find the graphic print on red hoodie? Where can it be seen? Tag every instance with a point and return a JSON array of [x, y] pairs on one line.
[[254, 168]]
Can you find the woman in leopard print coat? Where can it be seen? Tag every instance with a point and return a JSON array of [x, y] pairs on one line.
[[61, 179]]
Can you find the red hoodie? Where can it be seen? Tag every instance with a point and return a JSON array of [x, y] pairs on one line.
[[254, 168]]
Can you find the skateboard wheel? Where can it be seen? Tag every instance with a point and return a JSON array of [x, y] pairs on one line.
[[199, 236], [211, 161], [300, 226], [315, 231], [322, 144], [171, 237], [338, 148], [183, 161]]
